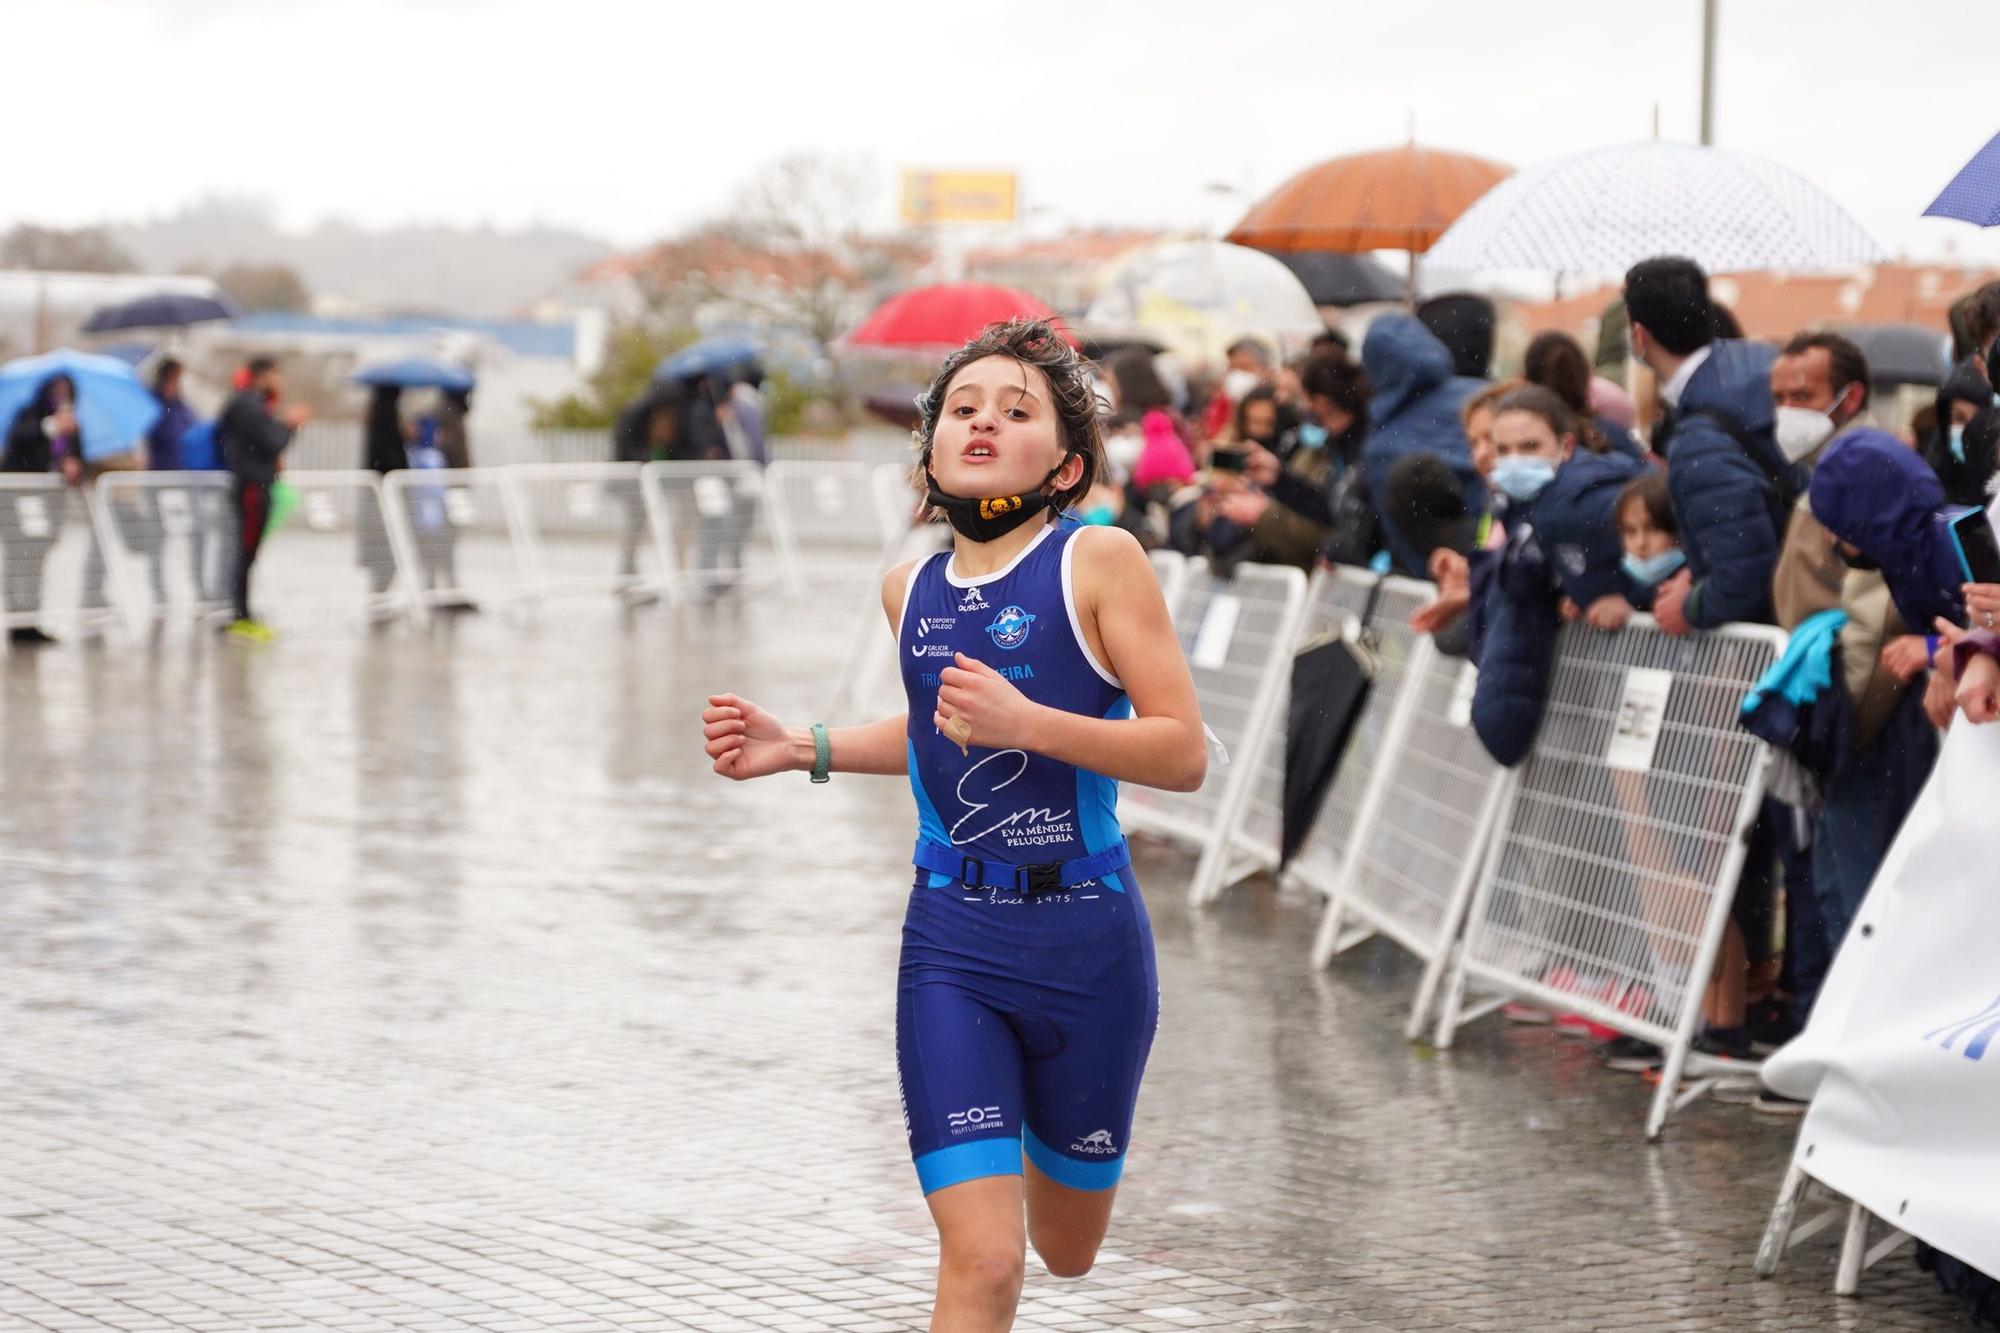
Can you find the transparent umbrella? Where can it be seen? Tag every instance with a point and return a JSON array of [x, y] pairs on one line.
[[1197, 297], [1602, 211]]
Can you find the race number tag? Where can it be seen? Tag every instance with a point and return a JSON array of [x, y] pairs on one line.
[[176, 517], [460, 508], [1641, 711], [581, 497], [829, 496], [320, 513], [711, 497], [33, 512], [1458, 712], [1218, 627]]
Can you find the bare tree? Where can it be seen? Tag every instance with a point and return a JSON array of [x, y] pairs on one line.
[[55, 249], [795, 250]]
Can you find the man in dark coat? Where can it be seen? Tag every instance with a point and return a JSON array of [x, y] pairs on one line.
[[252, 440], [1731, 487]]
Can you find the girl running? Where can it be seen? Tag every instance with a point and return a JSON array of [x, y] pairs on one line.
[[1041, 671]]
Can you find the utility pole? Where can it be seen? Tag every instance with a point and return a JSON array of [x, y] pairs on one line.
[[1707, 72]]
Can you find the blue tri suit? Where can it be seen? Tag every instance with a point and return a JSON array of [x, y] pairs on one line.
[[1026, 999]]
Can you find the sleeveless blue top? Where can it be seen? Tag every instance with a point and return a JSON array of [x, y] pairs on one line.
[[1010, 806]]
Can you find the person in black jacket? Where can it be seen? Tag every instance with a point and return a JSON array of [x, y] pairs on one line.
[[252, 441], [648, 430], [384, 449], [43, 437]]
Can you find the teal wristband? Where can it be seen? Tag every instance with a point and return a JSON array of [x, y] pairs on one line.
[[822, 753]]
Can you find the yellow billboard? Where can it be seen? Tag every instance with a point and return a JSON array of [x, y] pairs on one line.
[[958, 196]]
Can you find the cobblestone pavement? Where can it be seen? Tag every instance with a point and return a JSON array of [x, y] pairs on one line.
[[431, 983]]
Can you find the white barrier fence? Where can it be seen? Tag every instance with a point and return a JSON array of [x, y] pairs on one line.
[[1609, 881], [1238, 635], [133, 550]]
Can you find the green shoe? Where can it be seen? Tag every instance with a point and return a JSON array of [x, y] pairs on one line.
[[256, 631]]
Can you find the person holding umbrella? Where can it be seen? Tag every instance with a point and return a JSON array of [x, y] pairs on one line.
[[43, 436], [252, 441]]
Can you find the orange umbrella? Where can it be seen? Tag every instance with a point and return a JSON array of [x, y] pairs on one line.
[[1394, 199]]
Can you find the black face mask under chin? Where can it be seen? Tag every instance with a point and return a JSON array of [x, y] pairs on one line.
[[991, 519]]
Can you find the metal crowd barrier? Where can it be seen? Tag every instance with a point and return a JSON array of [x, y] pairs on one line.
[[1427, 813], [1238, 634], [463, 537], [1608, 884], [170, 538], [338, 557], [49, 543], [715, 530], [584, 528], [829, 522]]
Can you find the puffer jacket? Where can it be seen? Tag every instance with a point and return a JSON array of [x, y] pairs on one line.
[[1577, 520], [1873, 492], [1414, 410], [1512, 638], [1730, 508]]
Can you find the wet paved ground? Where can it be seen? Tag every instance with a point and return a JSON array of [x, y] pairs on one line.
[[431, 983]]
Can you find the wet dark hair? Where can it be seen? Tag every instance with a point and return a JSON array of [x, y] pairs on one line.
[[1139, 384], [1651, 491], [1848, 364], [1263, 393], [1031, 342], [1557, 363], [1723, 322], [1328, 373], [166, 370], [257, 365], [1669, 295], [1541, 402]]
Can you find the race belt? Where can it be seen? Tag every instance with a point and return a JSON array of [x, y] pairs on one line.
[[1041, 877]]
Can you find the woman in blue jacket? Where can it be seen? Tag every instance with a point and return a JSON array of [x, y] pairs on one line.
[[1561, 541]]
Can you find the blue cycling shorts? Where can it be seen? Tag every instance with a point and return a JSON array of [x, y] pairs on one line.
[[1023, 1023]]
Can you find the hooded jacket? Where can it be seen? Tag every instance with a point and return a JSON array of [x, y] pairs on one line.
[[1414, 409], [1966, 470], [1873, 492], [1730, 510], [1563, 542]]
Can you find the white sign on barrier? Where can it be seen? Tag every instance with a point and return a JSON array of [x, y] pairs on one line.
[[320, 515], [459, 507], [712, 497], [1641, 711], [33, 514], [1459, 714], [1218, 627], [829, 495], [580, 498]]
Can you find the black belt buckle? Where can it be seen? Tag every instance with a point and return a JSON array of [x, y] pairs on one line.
[[972, 872], [1045, 877]]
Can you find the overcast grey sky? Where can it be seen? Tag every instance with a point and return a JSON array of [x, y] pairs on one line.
[[633, 119]]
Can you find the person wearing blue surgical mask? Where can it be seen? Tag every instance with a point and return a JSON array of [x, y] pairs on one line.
[[1526, 450], [1647, 531]]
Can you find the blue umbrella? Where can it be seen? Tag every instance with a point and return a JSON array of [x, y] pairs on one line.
[[417, 372], [1974, 193], [162, 310], [113, 409], [707, 357]]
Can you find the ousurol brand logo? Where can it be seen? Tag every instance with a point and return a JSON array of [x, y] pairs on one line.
[[975, 1117], [1978, 1031], [1098, 1141], [970, 600], [1010, 628]]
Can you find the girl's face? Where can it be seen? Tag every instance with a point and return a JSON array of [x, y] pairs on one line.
[[1526, 435], [1642, 539], [1260, 421], [998, 433], [1479, 434]]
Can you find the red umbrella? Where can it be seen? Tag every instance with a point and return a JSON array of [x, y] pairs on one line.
[[949, 314]]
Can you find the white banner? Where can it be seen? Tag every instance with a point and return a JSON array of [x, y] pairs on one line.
[[1902, 1057]]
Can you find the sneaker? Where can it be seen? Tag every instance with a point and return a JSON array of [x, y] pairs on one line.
[[1772, 1103], [256, 631], [1520, 1011], [1771, 1024], [1629, 1055], [1723, 1043]]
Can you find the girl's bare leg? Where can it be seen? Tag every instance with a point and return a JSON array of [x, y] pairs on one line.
[[982, 1253]]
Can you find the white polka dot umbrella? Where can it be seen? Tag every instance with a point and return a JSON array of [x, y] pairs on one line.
[[1602, 211]]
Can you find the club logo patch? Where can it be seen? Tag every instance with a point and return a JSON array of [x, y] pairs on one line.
[[1010, 629]]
